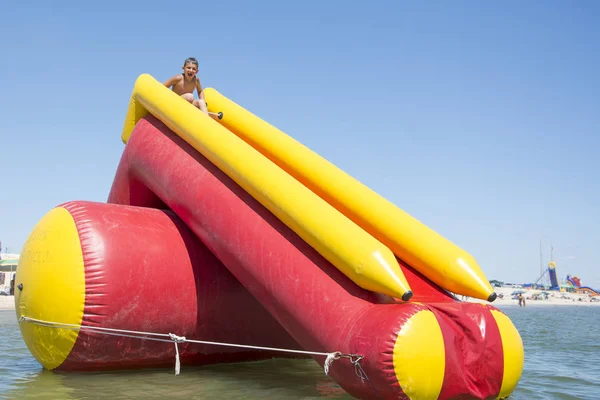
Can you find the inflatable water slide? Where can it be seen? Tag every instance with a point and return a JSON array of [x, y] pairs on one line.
[[575, 281], [553, 277], [225, 240]]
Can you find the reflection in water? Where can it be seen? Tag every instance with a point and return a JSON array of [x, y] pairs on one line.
[[274, 379], [21, 376]]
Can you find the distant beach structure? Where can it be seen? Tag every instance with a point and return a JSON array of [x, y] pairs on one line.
[[8, 269]]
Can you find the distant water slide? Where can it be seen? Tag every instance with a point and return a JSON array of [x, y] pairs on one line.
[[575, 281], [553, 278]]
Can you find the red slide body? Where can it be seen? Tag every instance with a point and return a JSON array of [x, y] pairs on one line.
[[316, 304]]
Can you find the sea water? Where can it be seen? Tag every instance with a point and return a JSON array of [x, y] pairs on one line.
[[562, 361]]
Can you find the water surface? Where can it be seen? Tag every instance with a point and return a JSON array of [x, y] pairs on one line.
[[562, 361]]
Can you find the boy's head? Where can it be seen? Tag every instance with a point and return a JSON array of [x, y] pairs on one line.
[[190, 67]]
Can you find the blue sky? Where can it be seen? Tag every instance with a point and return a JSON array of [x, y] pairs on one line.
[[478, 118]]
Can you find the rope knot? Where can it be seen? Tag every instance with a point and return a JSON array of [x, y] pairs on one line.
[[331, 357], [177, 339]]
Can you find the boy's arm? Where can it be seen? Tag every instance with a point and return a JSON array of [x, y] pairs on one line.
[[201, 96], [172, 81], [199, 89]]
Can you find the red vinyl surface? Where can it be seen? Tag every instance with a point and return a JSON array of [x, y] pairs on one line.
[[317, 305], [145, 271]]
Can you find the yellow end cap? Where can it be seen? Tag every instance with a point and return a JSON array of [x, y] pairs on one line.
[[419, 356], [51, 271], [514, 354]]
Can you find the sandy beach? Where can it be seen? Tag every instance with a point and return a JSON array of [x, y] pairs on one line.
[[7, 302], [535, 297]]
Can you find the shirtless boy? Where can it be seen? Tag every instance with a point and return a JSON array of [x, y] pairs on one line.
[[185, 83]]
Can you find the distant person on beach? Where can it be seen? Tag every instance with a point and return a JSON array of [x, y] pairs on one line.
[[521, 300], [184, 84]]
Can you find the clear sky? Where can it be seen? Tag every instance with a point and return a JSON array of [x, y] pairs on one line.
[[480, 119]]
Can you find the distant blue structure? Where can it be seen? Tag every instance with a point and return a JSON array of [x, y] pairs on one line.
[[553, 279], [551, 271]]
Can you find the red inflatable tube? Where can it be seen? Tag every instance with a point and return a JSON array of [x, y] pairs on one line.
[[316, 304], [145, 271]]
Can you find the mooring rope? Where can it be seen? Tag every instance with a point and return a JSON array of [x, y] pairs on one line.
[[171, 337]]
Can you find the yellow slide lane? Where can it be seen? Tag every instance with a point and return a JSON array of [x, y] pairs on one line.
[[434, 256], [360, 256]]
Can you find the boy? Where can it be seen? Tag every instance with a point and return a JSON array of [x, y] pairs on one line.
[[185, 83]]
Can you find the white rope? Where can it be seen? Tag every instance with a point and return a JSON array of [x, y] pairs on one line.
[[182, 339], [177, 339], [330, 358], [77, 327]]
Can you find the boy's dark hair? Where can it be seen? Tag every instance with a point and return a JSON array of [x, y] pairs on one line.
[[190, 60]]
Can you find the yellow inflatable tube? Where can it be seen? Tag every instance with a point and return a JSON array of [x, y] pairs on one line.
[[357, 254], [434, 256]]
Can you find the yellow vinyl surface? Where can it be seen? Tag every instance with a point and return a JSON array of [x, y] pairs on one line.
[[51, 271], [434, 256], [360, 256], [419, 357], [514, 354]]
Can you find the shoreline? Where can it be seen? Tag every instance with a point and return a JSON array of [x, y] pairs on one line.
[[533, 297], [536, 297]]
